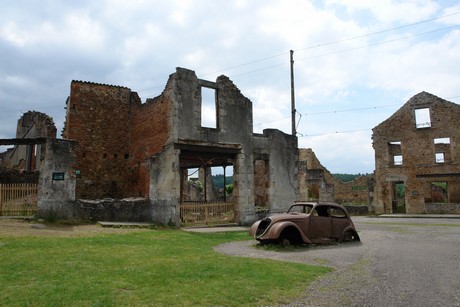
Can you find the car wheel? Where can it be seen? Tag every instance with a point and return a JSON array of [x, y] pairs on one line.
[[285, 242], [350, 236]]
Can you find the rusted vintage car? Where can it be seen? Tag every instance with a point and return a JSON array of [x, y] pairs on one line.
[[306, 222]]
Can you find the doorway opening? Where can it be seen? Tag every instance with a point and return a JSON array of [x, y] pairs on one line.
[[399, 197]]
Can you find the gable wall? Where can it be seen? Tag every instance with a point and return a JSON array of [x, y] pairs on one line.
[[419, 167]]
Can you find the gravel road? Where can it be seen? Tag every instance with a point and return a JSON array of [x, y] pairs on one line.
[[400, 262]]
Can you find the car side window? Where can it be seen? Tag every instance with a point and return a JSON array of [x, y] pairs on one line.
[[321, 211], [337, 212]]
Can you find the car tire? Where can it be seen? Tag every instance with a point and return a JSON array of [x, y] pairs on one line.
[[350, 236], [285, 242]]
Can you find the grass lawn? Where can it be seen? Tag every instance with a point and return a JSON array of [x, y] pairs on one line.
[[150, 267]]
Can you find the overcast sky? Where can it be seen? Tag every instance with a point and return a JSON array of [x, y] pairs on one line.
[[356, 61]]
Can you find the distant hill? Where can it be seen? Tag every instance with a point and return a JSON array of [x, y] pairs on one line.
[[218, 181], [347, 177]]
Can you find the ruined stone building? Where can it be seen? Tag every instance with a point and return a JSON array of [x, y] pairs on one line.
[[417, 157], [317, 183], [27, 155], [122, 159], [115, 146]]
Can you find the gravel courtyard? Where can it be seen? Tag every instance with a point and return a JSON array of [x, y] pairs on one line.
[[400, 262]]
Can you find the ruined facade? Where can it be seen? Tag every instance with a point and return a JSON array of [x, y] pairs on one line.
[[126, 148], [317, 183], [28, 155], [417, 156]]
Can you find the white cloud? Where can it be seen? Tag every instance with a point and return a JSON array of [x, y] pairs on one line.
[[337, 151], [389, 11], [429, 66], [138, 43]]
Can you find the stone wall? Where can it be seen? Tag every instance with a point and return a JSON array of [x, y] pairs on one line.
[[415, 149], [32, 124], [114, 210], [131, 149], [317, 183], [98, 118], [57, 182], [442, 208]]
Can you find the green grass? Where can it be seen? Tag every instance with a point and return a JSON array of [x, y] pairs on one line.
[[154, 267]]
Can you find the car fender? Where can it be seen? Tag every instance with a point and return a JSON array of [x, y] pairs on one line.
[[275, 230], [253, 229]]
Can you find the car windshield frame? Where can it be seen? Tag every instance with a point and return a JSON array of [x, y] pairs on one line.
[[301, 208]]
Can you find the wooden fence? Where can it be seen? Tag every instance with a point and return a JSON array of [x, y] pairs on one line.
[[18, 199], [206, 213]]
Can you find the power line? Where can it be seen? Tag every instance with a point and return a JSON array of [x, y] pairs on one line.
[[350, 110], [336, 132], [325, 44], [378, 32], [378, 43]]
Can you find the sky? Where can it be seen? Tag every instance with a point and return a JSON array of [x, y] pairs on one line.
[[356, 62]]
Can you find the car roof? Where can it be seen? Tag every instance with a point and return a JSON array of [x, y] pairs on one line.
[[321, 203]]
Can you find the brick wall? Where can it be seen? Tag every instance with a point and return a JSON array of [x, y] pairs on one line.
[[98, 118], [150, 131], [117, 135]]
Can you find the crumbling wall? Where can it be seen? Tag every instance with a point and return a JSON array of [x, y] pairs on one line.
[[150, 131], [127, 148], [416, 164], [317, 183], [32, 124], [283, 170], [98, 117]]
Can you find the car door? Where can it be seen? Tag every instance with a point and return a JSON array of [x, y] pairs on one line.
[[320, 223], [339, 222]]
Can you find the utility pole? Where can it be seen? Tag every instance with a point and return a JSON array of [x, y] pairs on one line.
[[292, 95]]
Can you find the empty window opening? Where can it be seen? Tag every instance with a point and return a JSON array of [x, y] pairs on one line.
[[440, 157], [104, 156], [261, 184], [208, 107], [397, 160], [193, 188], [222, 182], [442, 150], [126, 156], [313, 191], [395, 152], [115, 156], [208, 184], [442, 141], [422, 118], [439, 192]]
